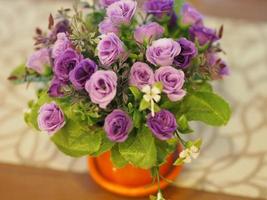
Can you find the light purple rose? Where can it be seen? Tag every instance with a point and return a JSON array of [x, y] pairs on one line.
[[148, 32], [141, 74], [62, 43], [172, 80], [82, 73], [158, 8], [55, 89], [121, 12], [191, 16], [188, 52], [203, 34], [163, 51], [50, 118], [106, 3], [106, 26], [162, 125], [110, 49], [66, 62], [102, 87], [118, 125], [39, 60]]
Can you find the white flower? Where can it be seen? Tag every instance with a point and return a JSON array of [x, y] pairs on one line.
[[189, 153], [152, 95]]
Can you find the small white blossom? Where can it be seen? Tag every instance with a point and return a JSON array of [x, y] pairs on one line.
[[152, 95], [189, 153]]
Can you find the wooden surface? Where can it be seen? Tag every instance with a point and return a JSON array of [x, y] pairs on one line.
[[28, 183]]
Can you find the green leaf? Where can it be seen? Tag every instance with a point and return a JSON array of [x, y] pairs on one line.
[[144, 105], [74, 141], [178, 4], [164, 149], [137, 118], [183, 126], [116, 157], [196, 143], [136, 92], [140, 149], [105, 146], [159, 85], [206, 107], [178, 162]]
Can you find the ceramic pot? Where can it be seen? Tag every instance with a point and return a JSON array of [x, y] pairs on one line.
[[130, 181]]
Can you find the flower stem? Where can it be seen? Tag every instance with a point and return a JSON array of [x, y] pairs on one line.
[[180, 139]]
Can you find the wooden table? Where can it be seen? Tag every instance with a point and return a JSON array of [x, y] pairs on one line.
[[28, 183]]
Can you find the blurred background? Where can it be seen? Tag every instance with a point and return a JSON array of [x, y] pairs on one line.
[[234, 158]]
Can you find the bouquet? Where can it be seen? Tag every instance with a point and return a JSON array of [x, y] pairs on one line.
[[114, 77]]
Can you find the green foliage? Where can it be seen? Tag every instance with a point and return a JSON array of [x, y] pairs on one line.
[[30, 117], [22, 74], [144, 105], [76, 141], [140, 149], [136, 92], [116, 157], [164, 149], [105, 146], [206, 107], [178, 4], [183, 126]]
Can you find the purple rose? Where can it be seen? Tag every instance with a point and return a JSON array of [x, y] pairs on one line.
[[162, 125], [141, 74], [55, 89], [158, 7], [102, 87], [121, 12], [172, 80], [50, 118], [66, 62], [82, 72], [107, 26], [106, 3], [202, 34], [62, 43], [218, 67], [148, 32], [118, 125], [188, 51], [191, 16], [39, 60], [110, 49], [163, 51]]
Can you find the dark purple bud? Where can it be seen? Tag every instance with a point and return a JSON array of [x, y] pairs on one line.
[[82, 72], [188, 51]]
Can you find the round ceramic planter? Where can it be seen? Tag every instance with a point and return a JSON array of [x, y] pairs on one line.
[[129, 181]]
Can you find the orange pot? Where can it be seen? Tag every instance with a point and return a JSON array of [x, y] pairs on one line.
[[129, 181]]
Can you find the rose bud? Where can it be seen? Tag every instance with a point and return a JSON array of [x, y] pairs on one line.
[[39, 60]]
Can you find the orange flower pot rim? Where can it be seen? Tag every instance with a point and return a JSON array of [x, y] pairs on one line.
[[127, 190]]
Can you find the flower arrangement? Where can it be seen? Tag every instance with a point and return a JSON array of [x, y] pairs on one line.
[[115, 78]]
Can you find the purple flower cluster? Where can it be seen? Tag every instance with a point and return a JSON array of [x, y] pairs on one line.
[[191, 16], [203, 34]]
